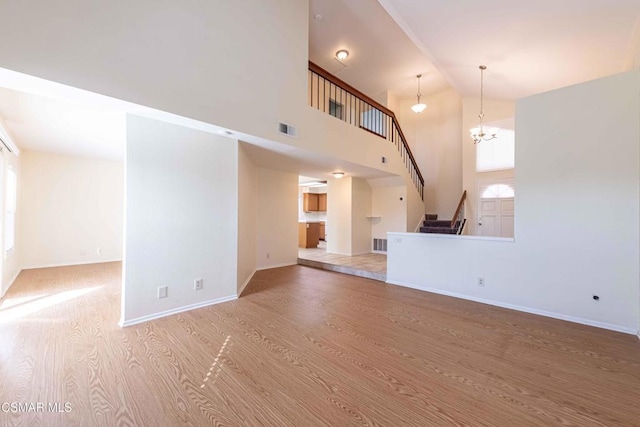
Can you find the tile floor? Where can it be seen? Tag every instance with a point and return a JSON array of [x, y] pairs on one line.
[[372, 266]]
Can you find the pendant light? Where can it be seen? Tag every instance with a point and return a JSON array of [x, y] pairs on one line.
[[418, 107], [477, 134]]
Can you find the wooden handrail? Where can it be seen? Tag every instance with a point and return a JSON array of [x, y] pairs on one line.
[[346, 86], [459, 208]]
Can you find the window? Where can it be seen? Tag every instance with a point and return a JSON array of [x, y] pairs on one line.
[[335, 109], [498, 153], [10, 211], [498, 191]]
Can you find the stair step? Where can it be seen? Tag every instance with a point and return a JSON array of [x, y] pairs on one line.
[[430, 217], [438, 230], [436, 223]]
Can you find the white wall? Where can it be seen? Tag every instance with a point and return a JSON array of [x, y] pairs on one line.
[[71, 210], [361, 242], [494, 110], [434, 138], [205, 60], [578, 204], [247, 195], [276, 218], [181, 219], [339, 210], [386, 205], [347, 210], [10, 262]]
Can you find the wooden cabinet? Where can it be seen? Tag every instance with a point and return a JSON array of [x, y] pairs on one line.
[[322, 231], [308, 234], [310, 202], [322, 202], [314, 202]]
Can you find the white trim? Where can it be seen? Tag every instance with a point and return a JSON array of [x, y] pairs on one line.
[[452, 236], [72, 264], [172, 311], [417, 229], [269, 267], [544, 313], [244, 285]]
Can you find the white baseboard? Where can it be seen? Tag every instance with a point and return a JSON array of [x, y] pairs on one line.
[[286, 264], [172, 311], [71, 264], [246, 282], [544, 313]]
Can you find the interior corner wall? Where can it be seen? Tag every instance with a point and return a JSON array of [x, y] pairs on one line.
[[434, 138], [577, 232], [145, 52], [276, 218], [361, 242], [494, 110], [339, 212], [388, 206], [71, 210], [247, 212], [11, 262], [181, 220]]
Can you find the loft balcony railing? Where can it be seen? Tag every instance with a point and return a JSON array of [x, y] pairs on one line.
[[331, 95]]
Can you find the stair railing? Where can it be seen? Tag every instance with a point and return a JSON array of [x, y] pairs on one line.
[[459, 219], [341, 100]]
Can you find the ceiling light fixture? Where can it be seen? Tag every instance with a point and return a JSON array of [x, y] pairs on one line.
[[342, 54], [477, 134], [419, 107], [338, 174]]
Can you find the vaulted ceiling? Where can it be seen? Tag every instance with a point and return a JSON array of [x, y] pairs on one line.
[[528, 47]]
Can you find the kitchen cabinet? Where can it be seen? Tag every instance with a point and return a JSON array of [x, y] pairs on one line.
[[308, 234], [322, 202], [314, 202], [322, 231], [310, 202]]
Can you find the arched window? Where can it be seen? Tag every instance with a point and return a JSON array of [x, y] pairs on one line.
[[498, 191]]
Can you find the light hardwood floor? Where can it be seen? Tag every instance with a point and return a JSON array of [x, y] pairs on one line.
[[304, 347]]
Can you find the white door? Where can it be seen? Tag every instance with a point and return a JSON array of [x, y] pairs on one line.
[[496, 217], [496, 208]]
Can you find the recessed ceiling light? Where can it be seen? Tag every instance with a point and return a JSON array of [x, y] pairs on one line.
[[342, 54], [338, 174]]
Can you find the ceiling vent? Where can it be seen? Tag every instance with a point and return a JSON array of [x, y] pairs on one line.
[[287, 129]]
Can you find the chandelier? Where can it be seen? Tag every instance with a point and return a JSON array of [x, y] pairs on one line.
[[477, 134]]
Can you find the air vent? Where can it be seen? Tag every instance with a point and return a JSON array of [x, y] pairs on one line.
[[287, 129], [380, 245]]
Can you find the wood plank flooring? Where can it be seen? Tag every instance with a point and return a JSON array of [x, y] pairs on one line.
[[304, 347]]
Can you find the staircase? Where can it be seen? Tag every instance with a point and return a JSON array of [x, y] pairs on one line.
[[432, 224]]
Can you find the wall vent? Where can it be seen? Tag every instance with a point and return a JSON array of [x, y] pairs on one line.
[[380, 245], [287, 129]]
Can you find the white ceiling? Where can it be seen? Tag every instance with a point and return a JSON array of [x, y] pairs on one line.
[[311, 165], [528, 47], [381, 58], [40, 123]]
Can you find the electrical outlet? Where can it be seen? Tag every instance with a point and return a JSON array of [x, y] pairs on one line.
[[99, 251], [268, 255], [197, 284], [163, 291], [481, 282]]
